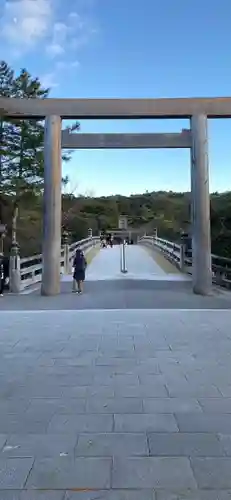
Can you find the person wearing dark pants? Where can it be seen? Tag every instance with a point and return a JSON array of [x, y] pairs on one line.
[[80, 265], [2, 275]]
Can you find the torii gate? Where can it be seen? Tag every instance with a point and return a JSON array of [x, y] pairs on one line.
[[53, 110]]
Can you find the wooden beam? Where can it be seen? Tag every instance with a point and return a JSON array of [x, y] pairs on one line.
[[213, 107], [125, 141]]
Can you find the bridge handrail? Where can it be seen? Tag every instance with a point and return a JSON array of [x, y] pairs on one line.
[[221, 266], [31, 267]]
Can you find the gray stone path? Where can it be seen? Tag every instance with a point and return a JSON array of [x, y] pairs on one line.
[[115, 405], [121, 294]]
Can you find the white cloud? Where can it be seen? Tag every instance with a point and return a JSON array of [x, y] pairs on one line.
[[56, 46], [29, 25], [48, 80], [25, 22], [70, 35], [61, 65], [54, 49]]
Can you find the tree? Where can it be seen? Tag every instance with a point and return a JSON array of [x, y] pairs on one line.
[[22, 145], [23, 173], [25, 166], [6, 85]]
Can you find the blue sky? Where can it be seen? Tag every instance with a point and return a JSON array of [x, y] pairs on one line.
[[123, 48]]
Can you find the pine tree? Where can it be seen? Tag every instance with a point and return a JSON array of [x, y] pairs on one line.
[[26, 164], [21, 145], [25, 147], [6, 88]]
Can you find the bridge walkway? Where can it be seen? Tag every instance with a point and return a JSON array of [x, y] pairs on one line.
[[151, 282], [142, 264]]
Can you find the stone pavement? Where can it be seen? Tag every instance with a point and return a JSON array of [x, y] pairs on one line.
[[115, 405], [121, 294]]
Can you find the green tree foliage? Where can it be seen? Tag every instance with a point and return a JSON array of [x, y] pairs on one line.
[[21, 148], [21, 154], [24, 167], [6, 90], [168, 213]]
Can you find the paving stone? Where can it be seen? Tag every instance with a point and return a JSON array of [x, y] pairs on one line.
[[155, 390], [80, 423], [20, 424], [184, 388], [41, 495], [212, 473], [196, 495], [108, 445], [102, 391], [39, 445], [115, 405], [145, 423], [204, 422], [225, 390], [116, 362], [10, 495], [216, 405], [3, 438], [14, 405], [113, 351], [57, 405], [40, 391], [171, 405], [225, 440], [112, 495], [181, 444], [14, 472], [116, 379], [152, 472], [75, 391], [149, 366], [64, 473], [31, 495]]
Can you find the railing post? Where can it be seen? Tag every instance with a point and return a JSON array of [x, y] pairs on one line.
[[123, 264], [219, 276], [66, 259], [182, 257], [66, 255], [14, 270]]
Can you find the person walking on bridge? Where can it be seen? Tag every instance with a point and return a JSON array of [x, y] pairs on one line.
[[79, 265]]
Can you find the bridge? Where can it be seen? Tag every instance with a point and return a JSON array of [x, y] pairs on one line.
[[125, 276]]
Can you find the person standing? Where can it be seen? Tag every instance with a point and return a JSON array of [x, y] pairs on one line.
[[79, 265], [2, 275]]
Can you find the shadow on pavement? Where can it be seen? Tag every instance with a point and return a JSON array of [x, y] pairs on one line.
[[121, 294]]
